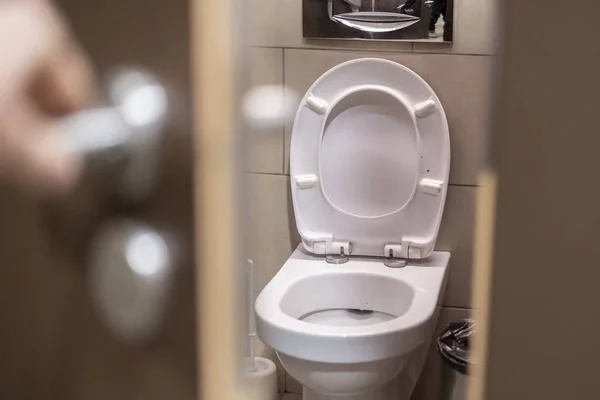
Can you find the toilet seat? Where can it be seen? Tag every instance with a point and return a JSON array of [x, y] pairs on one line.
[[369, 162]]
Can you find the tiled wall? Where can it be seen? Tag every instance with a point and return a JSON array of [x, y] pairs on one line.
[[459, 74]]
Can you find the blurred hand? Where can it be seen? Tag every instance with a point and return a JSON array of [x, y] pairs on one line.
[[43, 76]]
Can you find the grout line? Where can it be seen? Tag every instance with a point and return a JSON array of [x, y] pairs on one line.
[[285, 379], [265, 173], [342, 49], [284, 120], [374, 50], [463, 185], [458, 308]]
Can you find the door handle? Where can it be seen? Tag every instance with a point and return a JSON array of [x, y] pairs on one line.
[[131, 273], [130, 126], [131, 265]]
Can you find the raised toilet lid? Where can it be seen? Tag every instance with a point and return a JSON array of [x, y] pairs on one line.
[[369, 162]]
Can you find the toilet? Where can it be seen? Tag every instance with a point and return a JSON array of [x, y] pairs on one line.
[[351, 314]]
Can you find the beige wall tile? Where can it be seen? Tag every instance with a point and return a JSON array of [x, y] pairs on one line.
[[278, 23], [271, 234], [292, 385], [264, 150], [461, 82], [429, 383], [456, 236], [290, 396], [474, 29]]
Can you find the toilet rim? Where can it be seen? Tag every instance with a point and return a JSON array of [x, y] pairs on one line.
[[268, 309], [346, 345]]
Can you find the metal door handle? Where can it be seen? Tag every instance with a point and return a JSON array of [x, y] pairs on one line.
[[131, 274], [130, 125]]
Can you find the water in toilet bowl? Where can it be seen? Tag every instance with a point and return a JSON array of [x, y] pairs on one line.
[[346, 317]]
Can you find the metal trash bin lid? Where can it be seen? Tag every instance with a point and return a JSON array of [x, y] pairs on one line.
[[453, 344]]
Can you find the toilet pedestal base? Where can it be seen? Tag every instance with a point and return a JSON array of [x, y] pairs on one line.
[[387, 392]]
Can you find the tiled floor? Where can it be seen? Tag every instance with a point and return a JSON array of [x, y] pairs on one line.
[[290, 396]]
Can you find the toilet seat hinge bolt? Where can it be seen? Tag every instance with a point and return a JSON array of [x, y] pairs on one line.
[[342, 258], [392, 262]]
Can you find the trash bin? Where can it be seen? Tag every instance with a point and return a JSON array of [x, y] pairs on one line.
[[453, 345]]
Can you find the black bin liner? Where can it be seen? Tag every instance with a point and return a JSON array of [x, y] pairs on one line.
[[453, 344]]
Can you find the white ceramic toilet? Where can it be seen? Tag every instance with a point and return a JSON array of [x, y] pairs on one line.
[[351, 314]]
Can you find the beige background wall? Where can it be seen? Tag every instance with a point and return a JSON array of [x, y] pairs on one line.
[[459, 74]]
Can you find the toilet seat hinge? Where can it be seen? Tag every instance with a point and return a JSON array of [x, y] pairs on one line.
[[396, 255], [338, 252]]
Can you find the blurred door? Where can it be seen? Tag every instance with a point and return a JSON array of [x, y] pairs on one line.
[[52, 343], [536, 281]]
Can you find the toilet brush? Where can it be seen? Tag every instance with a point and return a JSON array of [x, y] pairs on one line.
[[260, 374]]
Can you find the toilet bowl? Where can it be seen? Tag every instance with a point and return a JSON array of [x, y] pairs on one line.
[[351, 313], [314, 315]]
